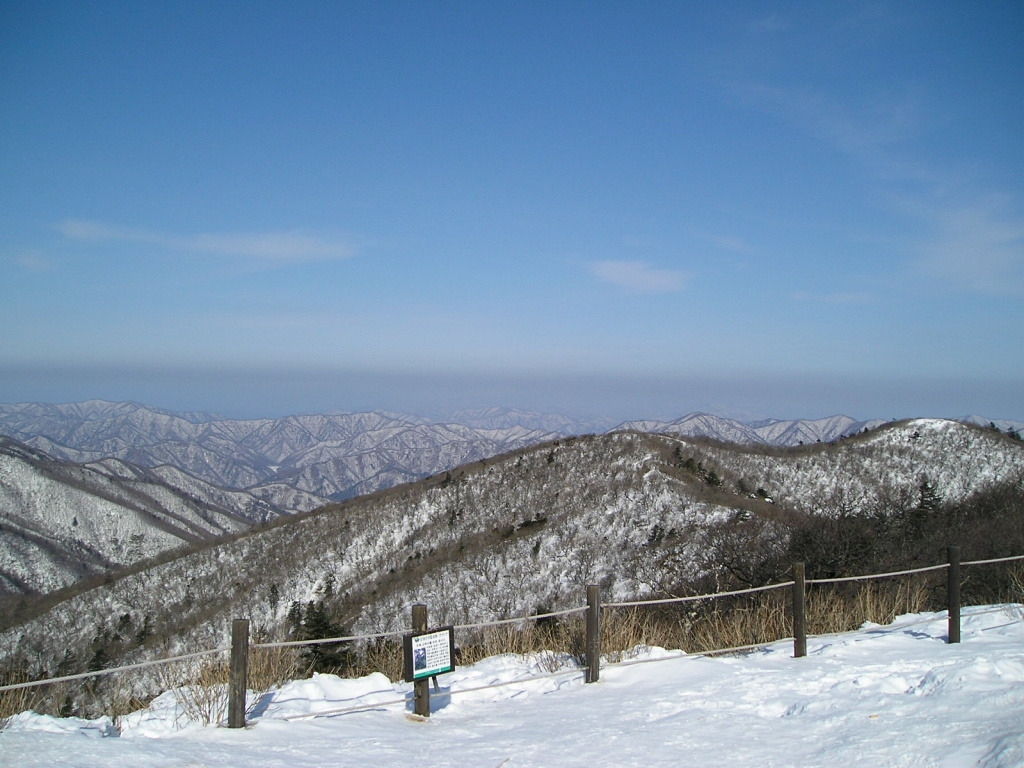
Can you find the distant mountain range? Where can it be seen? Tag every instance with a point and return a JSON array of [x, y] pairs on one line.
[[87, 487], [769, 431], [341, 455], [335, 455]]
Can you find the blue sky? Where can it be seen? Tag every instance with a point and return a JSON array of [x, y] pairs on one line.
[[627, 209]]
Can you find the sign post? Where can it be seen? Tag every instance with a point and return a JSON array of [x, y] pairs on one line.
[[428, 653], [239, 672]]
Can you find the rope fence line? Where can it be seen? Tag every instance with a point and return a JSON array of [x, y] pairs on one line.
[[941, 616], [694, 598], [909, 571], [112, 670], [324, 640], [534, 617], [505, 683], [345, 710], [993, 560], [400, 633], [699, 654], [1000, 609], [628, 662]]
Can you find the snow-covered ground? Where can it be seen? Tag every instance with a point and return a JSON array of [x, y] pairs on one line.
[[885, 696]]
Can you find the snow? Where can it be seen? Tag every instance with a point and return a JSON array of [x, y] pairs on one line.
[[885, 696]]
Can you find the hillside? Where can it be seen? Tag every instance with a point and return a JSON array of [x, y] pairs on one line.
[[637, 513], [882, 469], [60, 522]]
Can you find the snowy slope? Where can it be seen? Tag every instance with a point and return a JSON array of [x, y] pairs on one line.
[[885, 696], [61, 521], [496, 538], [882, 467]]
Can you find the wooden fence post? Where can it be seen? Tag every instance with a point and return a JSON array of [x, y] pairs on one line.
[[953, 595], [420, 688], [799, 612], [593, 641], [238, 680]]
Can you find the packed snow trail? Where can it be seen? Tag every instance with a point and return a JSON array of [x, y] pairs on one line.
[[885, 696]]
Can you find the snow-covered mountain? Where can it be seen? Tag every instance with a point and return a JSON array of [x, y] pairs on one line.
[[1004, 425], [767, 432], [60, 521], [341, 455], [338, 455], [285, 465], [638, 513], [855, 475]]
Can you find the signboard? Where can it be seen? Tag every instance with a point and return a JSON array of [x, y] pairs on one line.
[[429, 653]]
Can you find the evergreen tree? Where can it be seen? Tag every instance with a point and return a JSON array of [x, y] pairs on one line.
[[924, 515], [273, 597], [294, 617], [929, 500], [316, 625], [145, 631]]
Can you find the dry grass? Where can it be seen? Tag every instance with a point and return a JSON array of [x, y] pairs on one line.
[[716, 625], [204, 697], [551, 643], [20, 699], [834, 610], [202, 687], [1015, 591], [747, 623], [270, 668], [696, 628], [113, 696]]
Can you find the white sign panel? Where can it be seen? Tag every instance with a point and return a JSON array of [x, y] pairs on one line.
[[430, 654]]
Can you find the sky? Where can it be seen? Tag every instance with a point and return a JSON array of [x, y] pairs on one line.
[[633, 210]]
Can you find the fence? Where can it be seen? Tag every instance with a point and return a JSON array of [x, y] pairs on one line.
[[241, 645]]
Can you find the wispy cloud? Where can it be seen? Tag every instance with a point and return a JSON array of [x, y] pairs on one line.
[[857, 128], [978, 246], [639, 277], [33, 262], [973, 237], [724, 242], [849, 298], [263, 246], [769, 24]]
